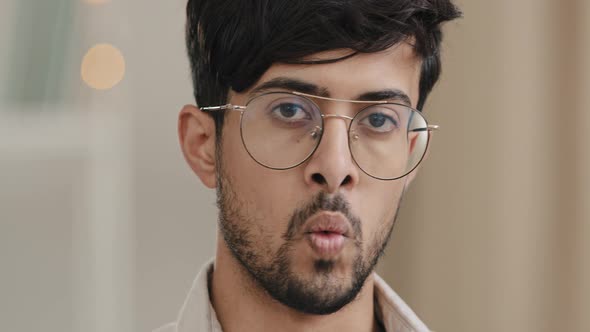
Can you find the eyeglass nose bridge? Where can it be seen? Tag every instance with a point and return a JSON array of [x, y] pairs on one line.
[[318, 131], [346, 117]]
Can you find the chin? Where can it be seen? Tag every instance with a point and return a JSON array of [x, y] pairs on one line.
[[324, 288]]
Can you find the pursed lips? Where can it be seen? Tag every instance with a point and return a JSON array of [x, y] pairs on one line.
[[326, 233], [328, 222]]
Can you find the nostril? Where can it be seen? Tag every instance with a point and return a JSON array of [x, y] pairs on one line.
[[318, 178], [346, 180]]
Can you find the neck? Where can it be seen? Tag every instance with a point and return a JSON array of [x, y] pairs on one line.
[[241, 305]]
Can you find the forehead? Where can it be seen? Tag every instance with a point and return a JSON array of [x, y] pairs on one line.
[[396, 68]]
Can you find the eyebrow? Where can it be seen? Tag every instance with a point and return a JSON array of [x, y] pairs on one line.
[[292, 84], [387, 94]]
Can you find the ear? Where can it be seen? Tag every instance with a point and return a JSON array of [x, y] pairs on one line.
[[196, 133]]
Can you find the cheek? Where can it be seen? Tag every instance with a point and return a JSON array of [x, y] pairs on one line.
[[378, 208], [266, 197]]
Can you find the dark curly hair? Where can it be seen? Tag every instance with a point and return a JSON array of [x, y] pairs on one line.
[[231, 43]]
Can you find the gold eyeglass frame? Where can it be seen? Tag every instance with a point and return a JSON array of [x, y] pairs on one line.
[[241, 109]]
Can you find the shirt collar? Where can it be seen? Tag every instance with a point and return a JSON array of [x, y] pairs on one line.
[[392, 311]]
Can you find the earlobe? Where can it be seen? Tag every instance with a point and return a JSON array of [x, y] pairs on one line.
[[196, 133]]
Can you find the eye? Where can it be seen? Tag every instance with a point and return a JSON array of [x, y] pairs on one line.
[[290, 112], [380, 121]]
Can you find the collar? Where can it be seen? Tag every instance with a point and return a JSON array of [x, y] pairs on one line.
[[197, 314]]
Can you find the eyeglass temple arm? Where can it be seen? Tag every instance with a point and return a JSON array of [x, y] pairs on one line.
[[227, 107], [428, 128]]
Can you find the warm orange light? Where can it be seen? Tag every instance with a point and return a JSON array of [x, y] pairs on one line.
[[103, 67]]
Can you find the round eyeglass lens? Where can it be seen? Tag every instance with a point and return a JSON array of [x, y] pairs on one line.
[[387, 141], [280, 130]]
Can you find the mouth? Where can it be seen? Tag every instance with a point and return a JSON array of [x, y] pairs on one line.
[[326, 233]]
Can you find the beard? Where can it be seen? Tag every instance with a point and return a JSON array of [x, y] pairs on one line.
[[322, 292]]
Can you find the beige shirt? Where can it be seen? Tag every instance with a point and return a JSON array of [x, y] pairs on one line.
[[197, 314]]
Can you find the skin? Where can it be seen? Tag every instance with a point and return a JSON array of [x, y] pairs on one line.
[[263, 200]]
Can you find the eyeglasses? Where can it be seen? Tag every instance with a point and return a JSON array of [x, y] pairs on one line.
[[281, 130]]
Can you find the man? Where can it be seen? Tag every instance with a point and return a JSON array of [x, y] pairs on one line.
[[309, 127]]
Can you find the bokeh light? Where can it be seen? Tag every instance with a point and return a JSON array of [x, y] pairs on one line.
[[103, 67]]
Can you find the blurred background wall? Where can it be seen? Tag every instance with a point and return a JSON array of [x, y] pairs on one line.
[[103, 226]]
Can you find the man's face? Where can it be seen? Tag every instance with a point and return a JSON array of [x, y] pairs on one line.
[[311, 235]]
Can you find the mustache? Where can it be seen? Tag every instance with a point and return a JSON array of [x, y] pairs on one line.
[[322, 202]]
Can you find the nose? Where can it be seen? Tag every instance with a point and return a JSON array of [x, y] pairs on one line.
[[331, 167]]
